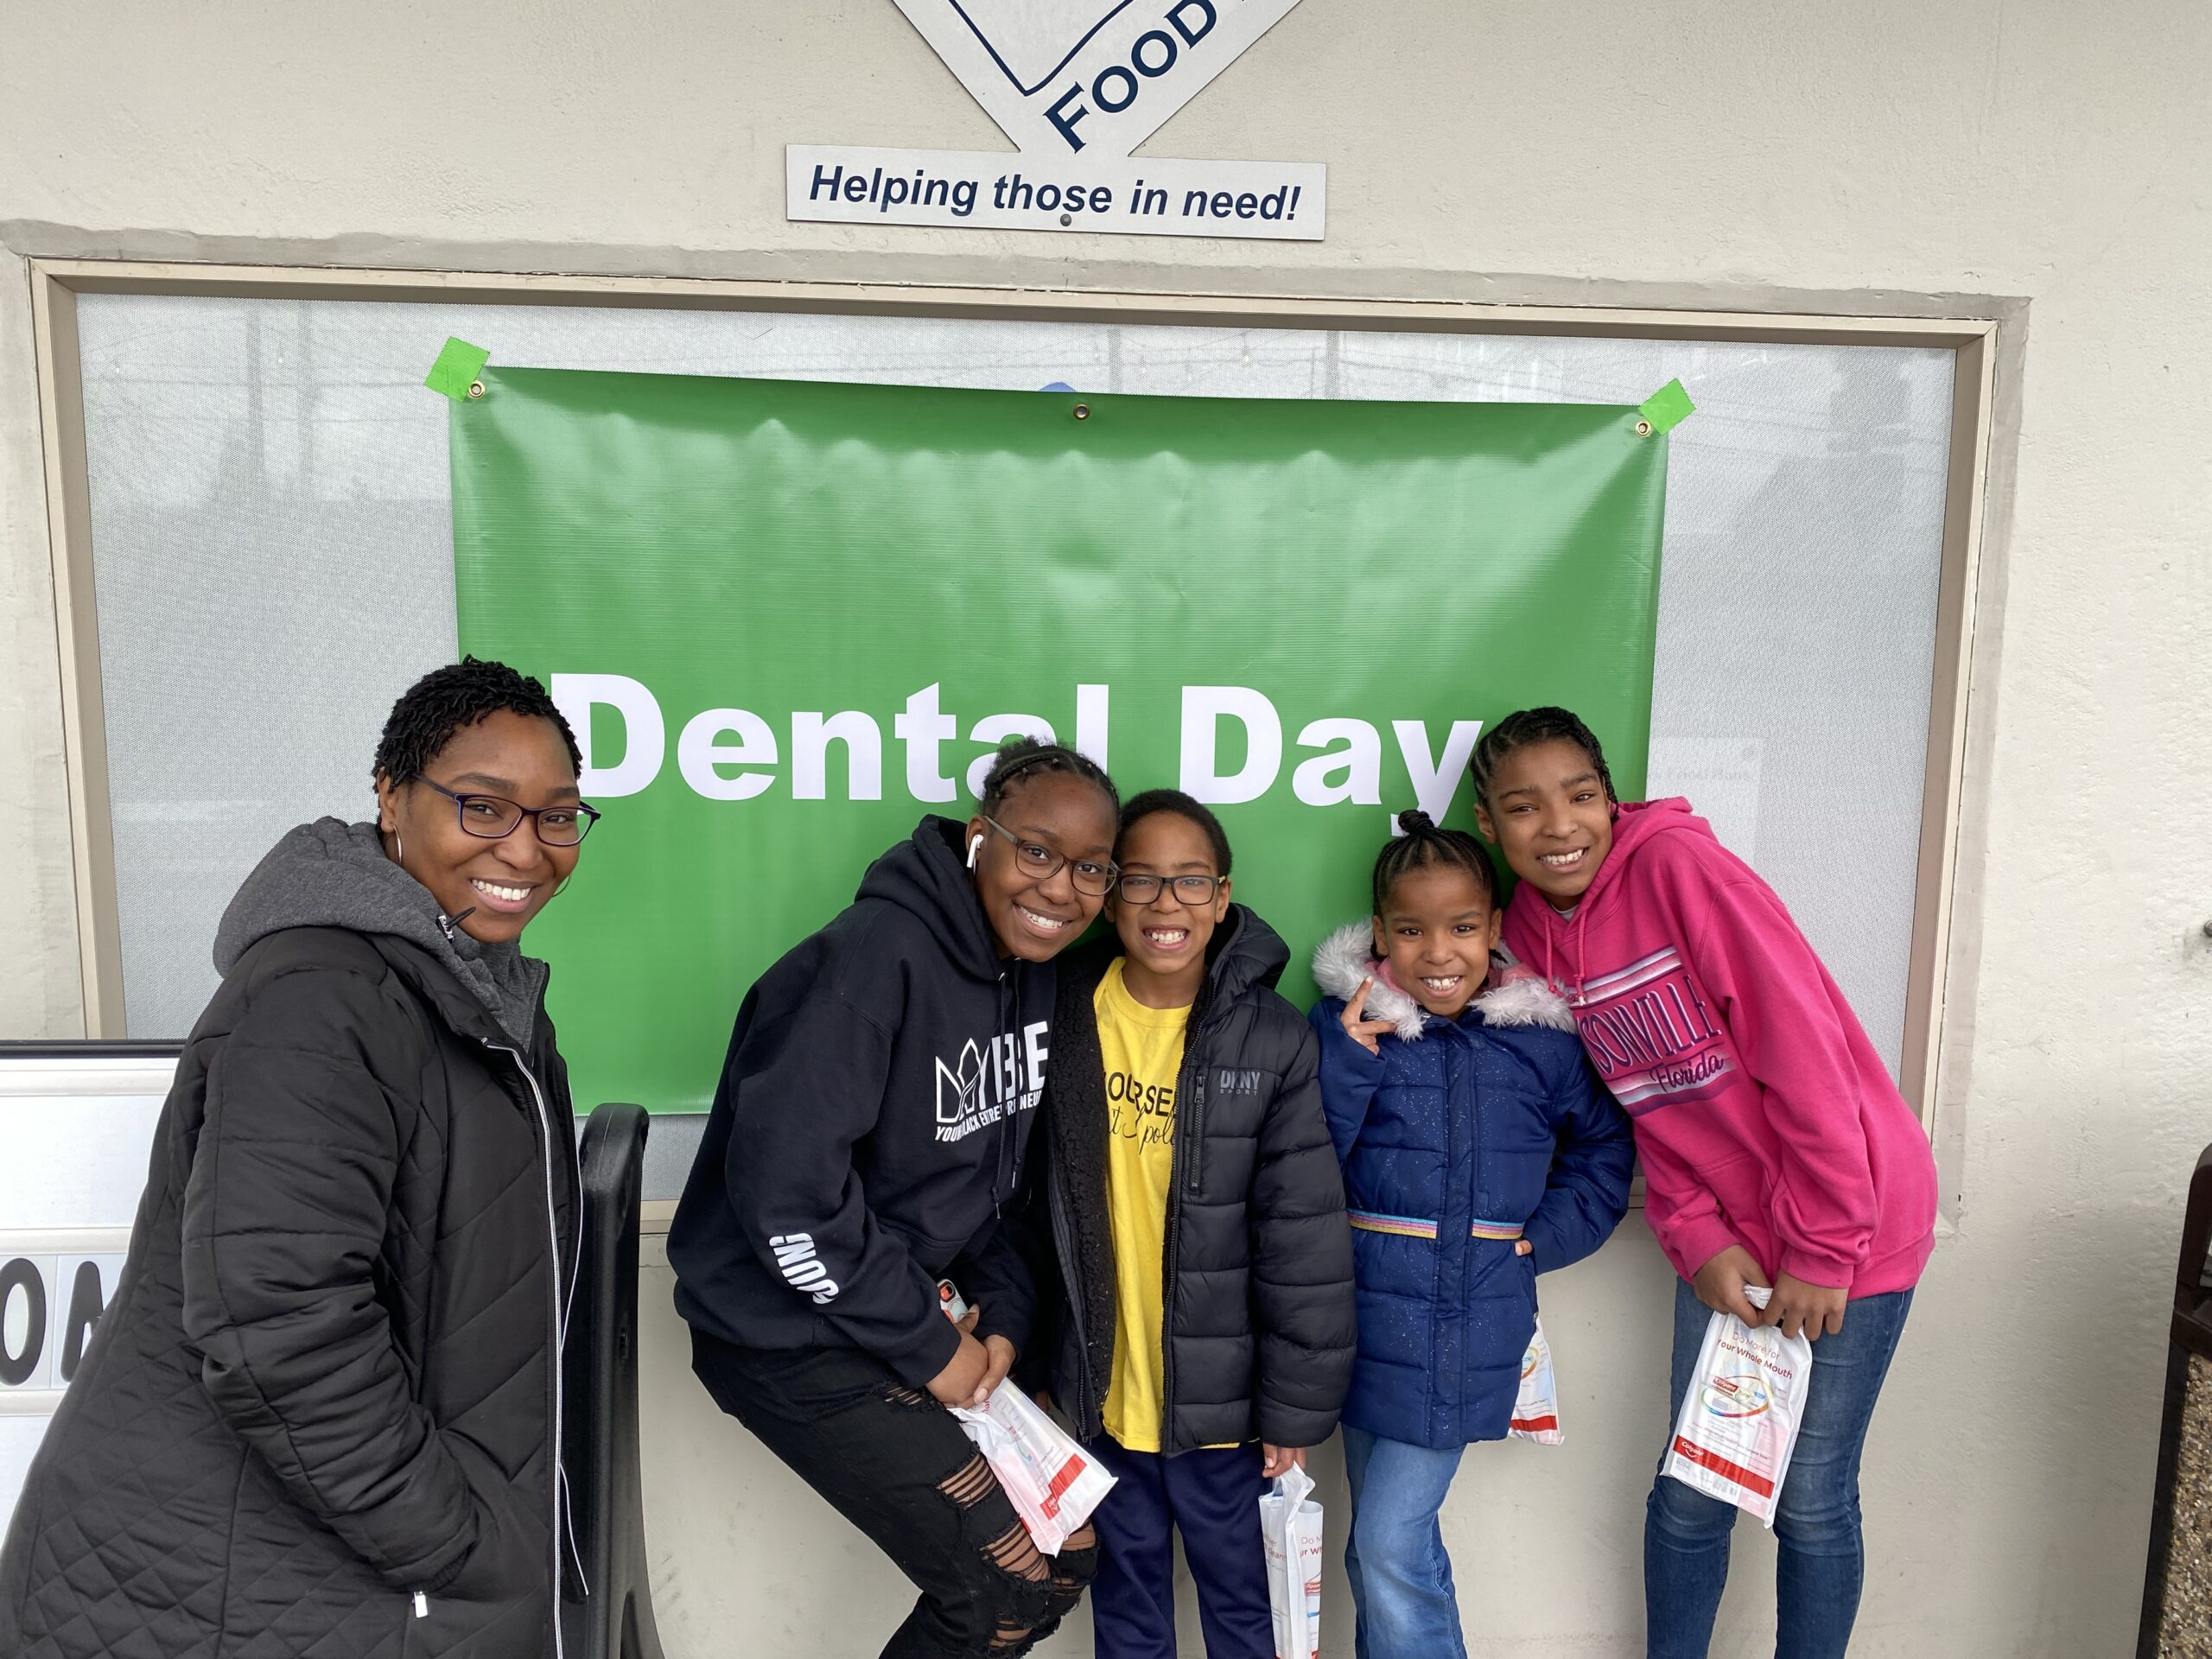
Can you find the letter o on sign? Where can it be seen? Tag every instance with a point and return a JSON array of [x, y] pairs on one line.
[[1153, 71], [20, 1274], [1113, 73]]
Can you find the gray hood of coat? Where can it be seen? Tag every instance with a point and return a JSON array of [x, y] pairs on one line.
[[332, 874]]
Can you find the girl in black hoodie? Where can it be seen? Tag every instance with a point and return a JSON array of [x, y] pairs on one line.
[[865, 1138], [1208, 1327]]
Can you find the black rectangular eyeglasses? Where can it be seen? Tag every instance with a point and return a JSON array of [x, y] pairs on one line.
[[494, 818]]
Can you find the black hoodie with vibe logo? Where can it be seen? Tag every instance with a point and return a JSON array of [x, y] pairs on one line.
[[870, 1127]]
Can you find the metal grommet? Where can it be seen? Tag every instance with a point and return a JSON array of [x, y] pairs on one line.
[[1643, 429], [1065, 220], [476, 388], [1083, 412]]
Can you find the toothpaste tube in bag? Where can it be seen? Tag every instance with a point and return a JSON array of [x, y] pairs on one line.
[[1053, 1483], [1739, 1421], [1535, 1411]]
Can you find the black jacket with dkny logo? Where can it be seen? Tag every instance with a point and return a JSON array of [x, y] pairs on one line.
[[870, 1127], [1260, 1323]]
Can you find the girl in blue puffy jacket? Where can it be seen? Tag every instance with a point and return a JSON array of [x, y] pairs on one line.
[[1478, 1152]]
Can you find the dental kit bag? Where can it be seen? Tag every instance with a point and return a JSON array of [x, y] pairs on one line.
[[1739, 1421], [1054, 1483], [1290, 1536], [1535, 1411]]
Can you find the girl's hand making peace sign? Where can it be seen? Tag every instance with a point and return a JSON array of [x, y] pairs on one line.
[[1364, 1032]]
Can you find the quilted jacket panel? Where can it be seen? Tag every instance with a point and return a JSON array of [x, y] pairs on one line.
[[328, 1377]]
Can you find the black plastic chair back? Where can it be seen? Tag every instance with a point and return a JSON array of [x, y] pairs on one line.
[[609, 1615], [2178, 1587]]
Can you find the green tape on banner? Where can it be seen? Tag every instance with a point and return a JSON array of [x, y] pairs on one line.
[[456, 369], [1666, 408]]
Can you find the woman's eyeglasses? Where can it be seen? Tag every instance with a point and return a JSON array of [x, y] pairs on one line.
[[494, 818], [1191, 891], [1042, 863]]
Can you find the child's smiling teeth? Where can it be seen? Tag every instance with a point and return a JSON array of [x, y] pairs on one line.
[[494, 890], [1442, 987], [1561, 861], [1166, 938], [1043, 923]]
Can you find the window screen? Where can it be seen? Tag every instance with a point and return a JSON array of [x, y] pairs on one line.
[[272, 556]]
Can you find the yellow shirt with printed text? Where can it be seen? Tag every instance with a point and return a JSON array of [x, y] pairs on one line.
[[1143, 1049]]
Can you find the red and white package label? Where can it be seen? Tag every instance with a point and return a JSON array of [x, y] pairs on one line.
[[1738, 1422], [1536, 1410]]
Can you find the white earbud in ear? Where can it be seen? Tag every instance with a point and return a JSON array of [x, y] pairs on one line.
[[975, 851]]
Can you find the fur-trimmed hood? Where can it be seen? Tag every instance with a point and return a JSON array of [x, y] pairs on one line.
[[1515, 995]]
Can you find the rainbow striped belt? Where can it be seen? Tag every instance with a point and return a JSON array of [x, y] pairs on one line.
[[1368, 1221]]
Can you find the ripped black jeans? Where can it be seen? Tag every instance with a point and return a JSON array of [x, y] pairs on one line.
[[892, 1461]]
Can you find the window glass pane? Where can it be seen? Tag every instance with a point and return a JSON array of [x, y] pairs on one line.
[[273, 562]]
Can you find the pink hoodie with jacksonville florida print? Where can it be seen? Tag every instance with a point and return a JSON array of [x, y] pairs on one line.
[[1763, 1115]]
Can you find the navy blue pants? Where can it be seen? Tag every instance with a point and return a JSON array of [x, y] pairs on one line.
[[1213, 1498]]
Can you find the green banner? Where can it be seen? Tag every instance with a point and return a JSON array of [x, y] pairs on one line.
[[788, 618]]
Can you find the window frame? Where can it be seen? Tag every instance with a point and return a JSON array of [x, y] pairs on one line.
[[1935, 967]]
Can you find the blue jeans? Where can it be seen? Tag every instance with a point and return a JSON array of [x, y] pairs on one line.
[[1400, 1577], [1822, 1563]]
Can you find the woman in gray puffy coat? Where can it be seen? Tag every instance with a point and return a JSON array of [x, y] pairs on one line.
[[321, 1415]]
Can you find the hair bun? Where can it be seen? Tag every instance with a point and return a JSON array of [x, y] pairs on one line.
[[1414, 821]]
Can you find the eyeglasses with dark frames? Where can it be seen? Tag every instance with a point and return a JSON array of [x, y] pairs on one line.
[[1042, 863], [494, 818], [1191, 891]]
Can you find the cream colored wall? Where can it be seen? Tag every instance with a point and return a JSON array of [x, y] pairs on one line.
[[1890, 156]]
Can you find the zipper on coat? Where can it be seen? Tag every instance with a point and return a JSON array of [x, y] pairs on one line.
[[1467, 1055], [1170, 1245], [422, 1605], [561, 1306], [1085, 1412], [1446, 1244], [1190, 1124]]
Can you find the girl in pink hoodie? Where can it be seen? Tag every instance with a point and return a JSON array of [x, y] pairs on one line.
[[1776, 1148]]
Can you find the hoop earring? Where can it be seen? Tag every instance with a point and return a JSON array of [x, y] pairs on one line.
[[974, 850], [398, 848], [563, 888]]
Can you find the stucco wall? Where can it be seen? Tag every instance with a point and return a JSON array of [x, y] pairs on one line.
[[1890, 156]]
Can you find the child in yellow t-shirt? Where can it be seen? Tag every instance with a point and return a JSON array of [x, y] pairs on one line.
[[1207, 1322]]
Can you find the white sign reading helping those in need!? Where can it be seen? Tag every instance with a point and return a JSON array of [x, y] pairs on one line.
[[1077, 84], [1281, 200]]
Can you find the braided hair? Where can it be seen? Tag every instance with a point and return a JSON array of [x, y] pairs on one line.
[[1527, 727], [1019, 759], [443, 701], [1423, 845]]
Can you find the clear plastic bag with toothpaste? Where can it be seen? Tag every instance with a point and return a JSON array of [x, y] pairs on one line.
[[1054, 1484], [1738, 1422], [1290, 1539], [1535, 1411]]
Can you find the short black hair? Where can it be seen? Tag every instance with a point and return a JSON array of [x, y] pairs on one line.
[[1021, 759], [446, 699], [1144, 806], [1526, 727], [1423, 845]]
